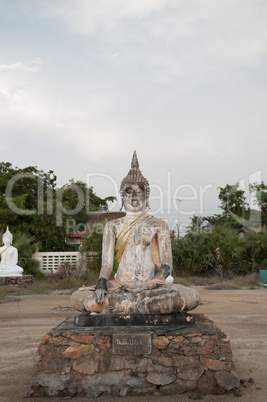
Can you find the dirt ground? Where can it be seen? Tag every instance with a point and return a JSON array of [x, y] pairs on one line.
[[242, 314]]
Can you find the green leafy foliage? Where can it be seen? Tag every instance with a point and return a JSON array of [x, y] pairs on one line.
[[236, 211], [259, 190], [92, 241], [26, 246], [31, 203], [233, 200], [219, 251], [256, 247]]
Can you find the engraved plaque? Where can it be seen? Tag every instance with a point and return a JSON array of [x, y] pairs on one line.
[[137, 344]]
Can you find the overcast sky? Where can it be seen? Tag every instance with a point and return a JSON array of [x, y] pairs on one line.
[[184, 82]]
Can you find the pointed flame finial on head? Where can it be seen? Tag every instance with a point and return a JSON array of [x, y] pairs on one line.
[[135, 163]]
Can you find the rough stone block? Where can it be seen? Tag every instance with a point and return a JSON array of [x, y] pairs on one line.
[[162, 359], [143, 365], [225, 349], [184, 348], [59, 341], [161, 378], [42, 349], [161, 342], [189, 368], [109, 378], [136, 381], [227, 380], [195, 339], [176, 387], [45, 339], [75, 352], [86, 366], [218, 365], [208, 385], [84, 338]]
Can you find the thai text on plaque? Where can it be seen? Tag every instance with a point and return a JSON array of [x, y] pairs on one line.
[[131, 344]]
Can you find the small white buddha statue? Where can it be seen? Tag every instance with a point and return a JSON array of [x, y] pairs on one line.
[[9, 257]]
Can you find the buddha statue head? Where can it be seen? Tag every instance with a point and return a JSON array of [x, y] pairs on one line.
[[134, 189], [7, 237]]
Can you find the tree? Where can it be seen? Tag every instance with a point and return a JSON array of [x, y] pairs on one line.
[[260, 192], [235, 211], [204, 223], [80, 199], [197, 223], [233, 202], [21, 192], [31, 203]]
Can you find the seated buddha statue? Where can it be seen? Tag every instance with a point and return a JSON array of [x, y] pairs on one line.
[[143, 249], [9, 257]]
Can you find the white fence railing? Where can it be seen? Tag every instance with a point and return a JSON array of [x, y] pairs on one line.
[[52, 261]]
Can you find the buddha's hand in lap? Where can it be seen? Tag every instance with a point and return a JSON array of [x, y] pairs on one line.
[[100, 296], [163, 273], [101, 291], [139, 286]]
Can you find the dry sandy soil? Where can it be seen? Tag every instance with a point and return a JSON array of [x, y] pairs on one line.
[[242, 314]]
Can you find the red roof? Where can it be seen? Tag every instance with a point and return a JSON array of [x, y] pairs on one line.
[[99, 216], [76, 235]]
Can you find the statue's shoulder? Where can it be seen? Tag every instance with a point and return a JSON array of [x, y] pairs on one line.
[[115, 223], [160, 223], [6, 247]]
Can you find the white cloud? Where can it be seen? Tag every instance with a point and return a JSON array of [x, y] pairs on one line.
[[21, 105], [18, 67], [37, 60], [138, 78], [201, 40], [89, 16]]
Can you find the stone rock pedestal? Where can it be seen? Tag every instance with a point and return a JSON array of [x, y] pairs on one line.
[[156, 355], [16, 280]]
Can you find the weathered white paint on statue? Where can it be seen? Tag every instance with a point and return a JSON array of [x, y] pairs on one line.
[[9, 257], [143, 250]]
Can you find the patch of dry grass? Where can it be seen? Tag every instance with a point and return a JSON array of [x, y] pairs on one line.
[[57, 281], [250, 280], [181, 281], [63, 280], [247, 280], [203, 280], [222, 286]]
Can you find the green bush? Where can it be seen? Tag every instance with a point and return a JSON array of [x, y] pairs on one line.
[[92, 241], [27, 246], [219, 251]]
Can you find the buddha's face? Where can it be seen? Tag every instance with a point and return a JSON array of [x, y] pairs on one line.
[[134, 198], [7, 239]]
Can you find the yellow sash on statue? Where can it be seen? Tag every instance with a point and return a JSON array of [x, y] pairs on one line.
[[4, 250], [124, 234]]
